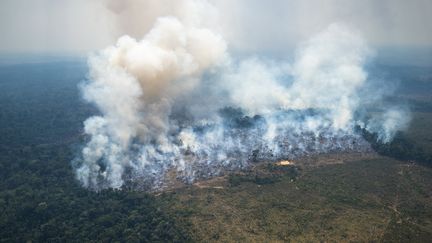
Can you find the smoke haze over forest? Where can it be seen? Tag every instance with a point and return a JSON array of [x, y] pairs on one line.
[[215, 120], [178, 98]]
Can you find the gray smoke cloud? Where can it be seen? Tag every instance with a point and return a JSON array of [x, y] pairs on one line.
[[177, 100]]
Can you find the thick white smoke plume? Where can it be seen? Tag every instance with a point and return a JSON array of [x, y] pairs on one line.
[[177, 101]]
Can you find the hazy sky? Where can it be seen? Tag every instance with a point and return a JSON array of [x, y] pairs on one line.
[[79, 26]]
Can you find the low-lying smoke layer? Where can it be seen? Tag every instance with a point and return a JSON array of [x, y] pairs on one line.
[[177, 100]]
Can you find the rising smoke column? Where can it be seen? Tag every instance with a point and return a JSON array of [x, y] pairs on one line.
[[134, 84], [176, 100]]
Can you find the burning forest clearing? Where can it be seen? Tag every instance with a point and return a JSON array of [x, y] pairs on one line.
[[177, 99], [190, 124], [327, 195]]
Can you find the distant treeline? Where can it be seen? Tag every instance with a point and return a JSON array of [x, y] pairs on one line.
[[399, 148]]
